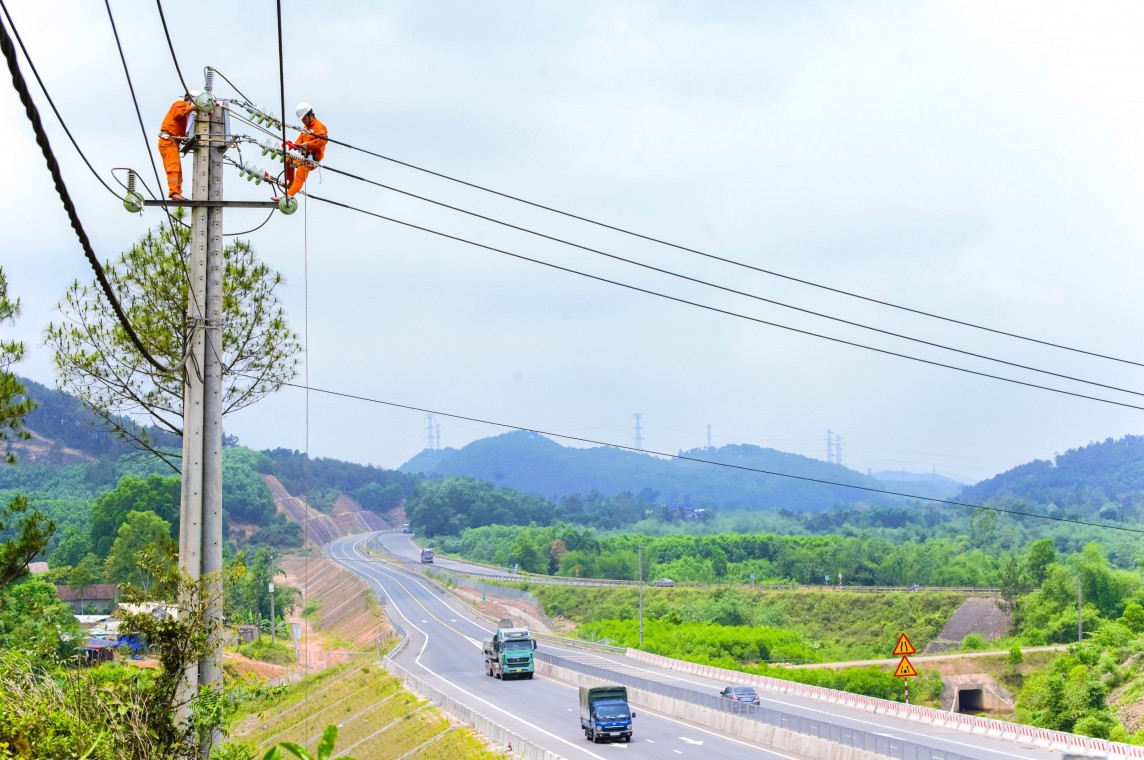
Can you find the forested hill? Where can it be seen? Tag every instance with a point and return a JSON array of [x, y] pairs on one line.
[[533, 463], [1100, 477], [64, 430]]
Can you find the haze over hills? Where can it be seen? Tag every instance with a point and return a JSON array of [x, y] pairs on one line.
[[1103, 479], [743, 476]]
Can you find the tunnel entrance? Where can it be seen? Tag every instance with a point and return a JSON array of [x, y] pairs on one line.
[[971, 700]]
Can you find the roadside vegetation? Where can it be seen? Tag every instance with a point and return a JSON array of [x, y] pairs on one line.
[[376, 719]]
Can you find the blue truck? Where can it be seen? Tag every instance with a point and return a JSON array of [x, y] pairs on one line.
[[605, 714]]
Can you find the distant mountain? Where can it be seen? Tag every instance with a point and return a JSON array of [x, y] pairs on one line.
[[1107, 473], [64, 431], [929, 485], [751, 477]]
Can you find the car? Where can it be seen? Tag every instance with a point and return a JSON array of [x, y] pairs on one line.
[[665, 582], [745, 694]]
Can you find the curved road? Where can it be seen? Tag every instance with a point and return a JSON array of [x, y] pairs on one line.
[[444, 647]]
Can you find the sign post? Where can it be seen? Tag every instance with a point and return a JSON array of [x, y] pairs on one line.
[[905, 668]]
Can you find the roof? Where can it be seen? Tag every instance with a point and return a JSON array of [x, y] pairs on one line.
[[37, 567], [161, 610], [96, 592]]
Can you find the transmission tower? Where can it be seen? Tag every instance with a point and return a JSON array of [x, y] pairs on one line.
[[638, 436]]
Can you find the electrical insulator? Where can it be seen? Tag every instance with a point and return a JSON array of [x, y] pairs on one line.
[[205, 102], [210, 79], [276, 151], [260, 116], [133, 201], [287, 205], [252, 173]]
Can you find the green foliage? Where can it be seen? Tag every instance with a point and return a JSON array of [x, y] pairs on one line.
[[446, 507], [99, 364], [833, 625], [14, 404], [32, 532], [248, 592], [973, 642], [73, 546], [245, 496], [732, 557], [325, 748], [156, 494], [1066, 694], [142, 535], [278, 652], [34, 621], [374, 488]]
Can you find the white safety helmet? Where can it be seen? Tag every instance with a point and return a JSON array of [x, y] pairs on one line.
[[194, 94], [303, 109]]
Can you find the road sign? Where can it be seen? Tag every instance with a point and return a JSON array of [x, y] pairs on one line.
[[905, 669], [904, 647]]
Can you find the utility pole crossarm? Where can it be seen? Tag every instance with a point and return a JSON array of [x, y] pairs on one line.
[[211, 204]]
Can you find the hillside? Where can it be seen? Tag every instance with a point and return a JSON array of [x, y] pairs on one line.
[[64, 431], [749, 480], [1104, 479]]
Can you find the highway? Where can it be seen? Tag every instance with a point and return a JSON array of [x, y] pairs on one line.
[[444, 647]]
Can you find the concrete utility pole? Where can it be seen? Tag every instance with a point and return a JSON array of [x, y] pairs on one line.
[[200, 533]]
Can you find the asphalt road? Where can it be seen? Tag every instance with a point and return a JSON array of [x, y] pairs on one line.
[[445, 646]]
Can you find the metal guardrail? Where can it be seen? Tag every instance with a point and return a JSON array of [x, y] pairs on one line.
[[1072, 745], [868, 741]]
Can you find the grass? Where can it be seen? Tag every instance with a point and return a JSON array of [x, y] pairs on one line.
[[377, 718]]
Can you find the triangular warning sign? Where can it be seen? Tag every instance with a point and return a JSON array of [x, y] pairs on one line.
[[904, 646], [905, 669]]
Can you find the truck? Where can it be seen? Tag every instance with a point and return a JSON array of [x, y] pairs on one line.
[[508, 654], [406, 528], [604, 713], [426, 556]]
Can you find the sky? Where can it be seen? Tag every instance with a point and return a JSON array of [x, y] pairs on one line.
[[979, 161]]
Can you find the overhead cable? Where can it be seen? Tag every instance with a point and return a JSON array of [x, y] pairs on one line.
[[726, 312], [171, 46], [138, 113], [47, 95], [733, 291], [733, 262], [57, 178], [739, 467]]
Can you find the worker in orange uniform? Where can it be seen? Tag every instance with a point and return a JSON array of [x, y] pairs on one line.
[[173, 132], [311, 144]]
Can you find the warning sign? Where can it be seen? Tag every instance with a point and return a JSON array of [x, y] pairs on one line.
[[905, 669], [904, 647]]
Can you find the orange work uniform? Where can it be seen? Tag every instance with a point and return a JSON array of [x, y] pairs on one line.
[[174, 125], [316, 144]]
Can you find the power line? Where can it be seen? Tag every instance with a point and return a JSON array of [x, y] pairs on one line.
[[739, 467], [138, 113], [56, 111], [733, 291], [733, 262], [61, 188], [171, 46], [726, 312], [725, 260]]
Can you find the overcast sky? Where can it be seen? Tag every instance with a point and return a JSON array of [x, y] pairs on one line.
[[978, 160]]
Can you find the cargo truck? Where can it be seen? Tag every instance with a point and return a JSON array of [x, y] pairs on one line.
[[604, 713], [508, 654], [426, 556]]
